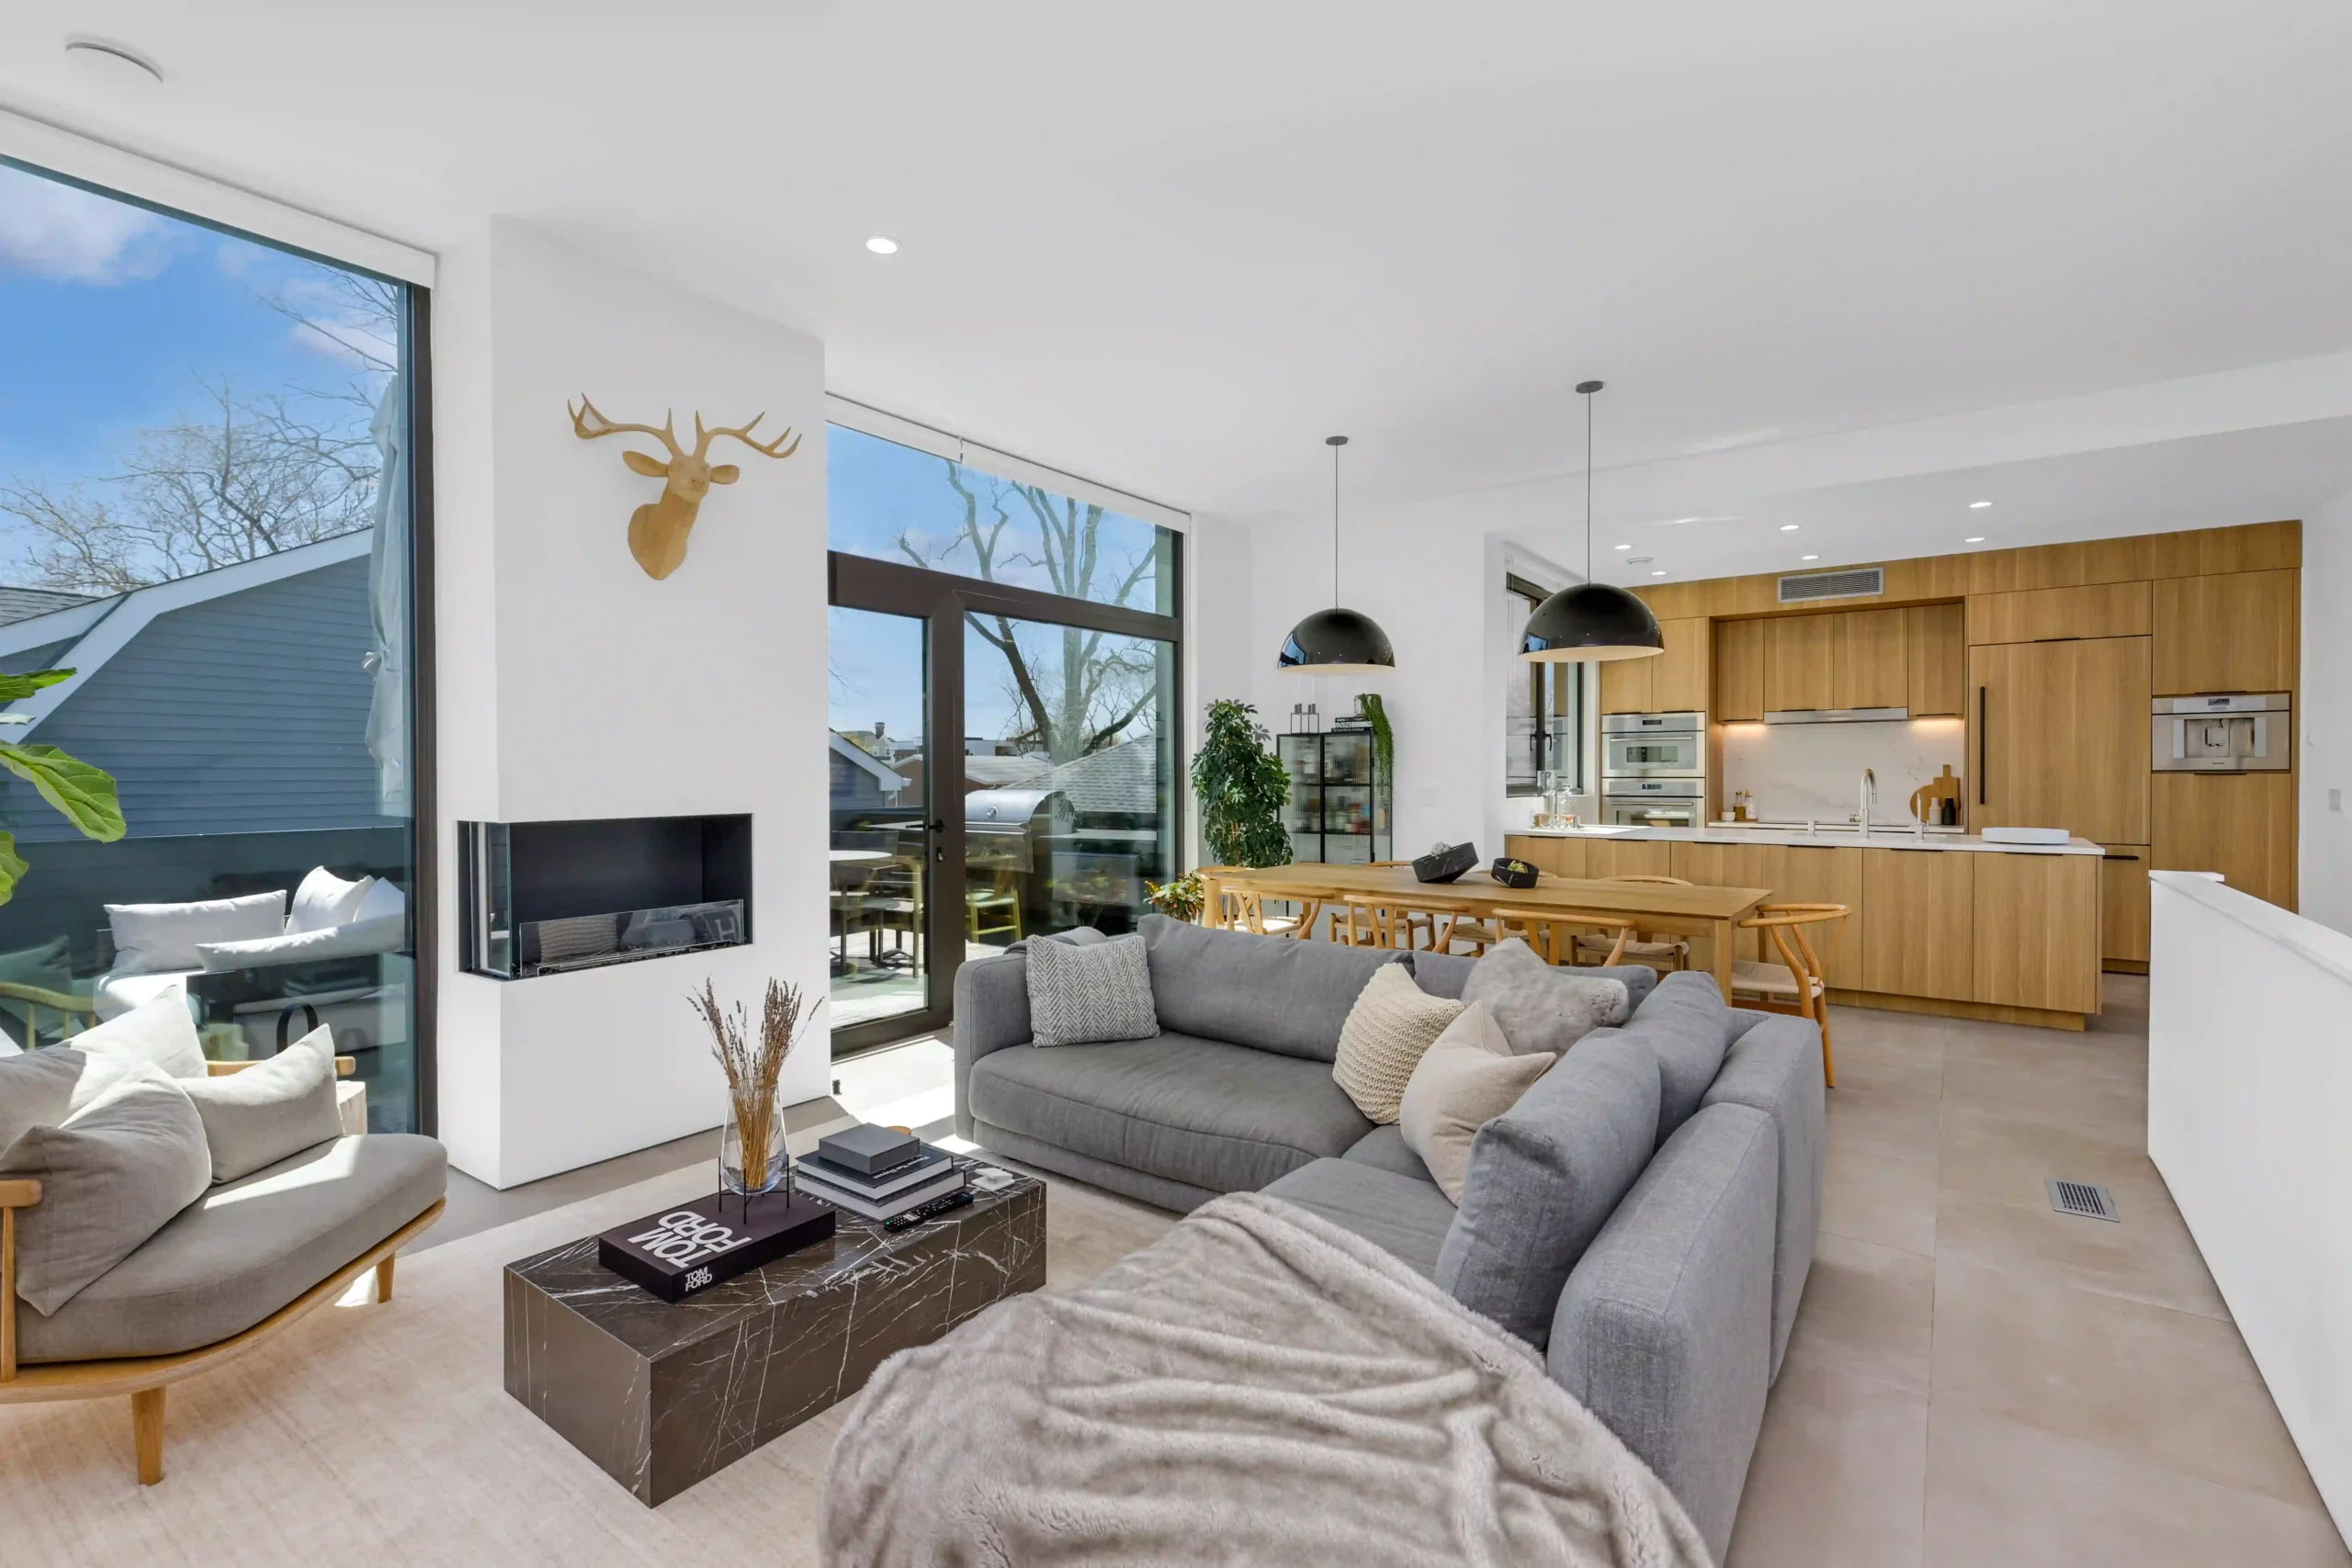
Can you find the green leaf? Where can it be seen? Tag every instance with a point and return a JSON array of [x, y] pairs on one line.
[[84, 796], [12, 866], [16, 688]]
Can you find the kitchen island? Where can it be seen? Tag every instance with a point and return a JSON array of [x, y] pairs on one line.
[[1942, 922]]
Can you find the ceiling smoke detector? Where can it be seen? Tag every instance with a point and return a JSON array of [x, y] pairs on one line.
[[104, 59]]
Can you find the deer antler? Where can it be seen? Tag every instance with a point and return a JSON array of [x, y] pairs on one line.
[[667, 434], [775, 449]]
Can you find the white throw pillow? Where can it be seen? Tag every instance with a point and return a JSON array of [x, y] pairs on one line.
[[1469, 1076], [1538, 1007], [296, 947], [322, 901], [159, 1032], [271, 1110], [1392, 1023], [384, 901], [149, 939]]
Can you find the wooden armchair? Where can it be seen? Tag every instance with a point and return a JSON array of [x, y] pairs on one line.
[[1555, 935], [73, 1013], [1799, 983], [144, 1378]]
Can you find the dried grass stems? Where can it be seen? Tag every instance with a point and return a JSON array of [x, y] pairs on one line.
[[752, 1070]]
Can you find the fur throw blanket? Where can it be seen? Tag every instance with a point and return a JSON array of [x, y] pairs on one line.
[[1257, 1386]]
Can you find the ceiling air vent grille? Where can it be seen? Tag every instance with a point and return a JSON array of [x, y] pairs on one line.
[[1864, 582]]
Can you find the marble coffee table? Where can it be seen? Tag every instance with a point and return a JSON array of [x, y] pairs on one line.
[[661, 1394]]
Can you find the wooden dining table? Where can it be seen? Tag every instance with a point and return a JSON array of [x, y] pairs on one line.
[[1709, 912]]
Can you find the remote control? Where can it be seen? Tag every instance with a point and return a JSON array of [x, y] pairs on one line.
[[932, 1210]]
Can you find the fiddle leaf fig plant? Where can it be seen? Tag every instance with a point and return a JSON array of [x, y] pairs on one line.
[[82, 795], [1242, 789]]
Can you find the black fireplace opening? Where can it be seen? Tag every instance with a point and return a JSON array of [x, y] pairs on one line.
[[548, 897]]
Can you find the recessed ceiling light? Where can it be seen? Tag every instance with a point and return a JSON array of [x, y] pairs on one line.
[[1978, 505], [113, 61], [1620, 547], [1788, 527], [1659, 572], [1973, 539], [1808, 558], [882, 244]]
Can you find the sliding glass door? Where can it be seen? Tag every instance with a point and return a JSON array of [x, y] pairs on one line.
[[1004, 679]]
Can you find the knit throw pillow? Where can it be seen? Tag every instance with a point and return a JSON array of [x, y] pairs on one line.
[[1393, 1022], [1081, 995]]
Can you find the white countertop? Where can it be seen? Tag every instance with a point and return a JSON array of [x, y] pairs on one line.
[[1841, 836]]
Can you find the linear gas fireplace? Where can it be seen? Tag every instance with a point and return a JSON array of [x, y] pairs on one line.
[[548, 897]]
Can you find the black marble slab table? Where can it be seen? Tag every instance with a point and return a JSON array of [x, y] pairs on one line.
[[662, 1394]]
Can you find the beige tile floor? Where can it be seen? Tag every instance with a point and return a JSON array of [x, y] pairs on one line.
[[1975, 1380]]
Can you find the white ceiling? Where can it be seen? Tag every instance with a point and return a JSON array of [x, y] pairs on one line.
[[1172, 247]]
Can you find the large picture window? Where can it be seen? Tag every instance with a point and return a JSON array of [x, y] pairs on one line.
[[1003, 672], [1543, 709], [206, 483]]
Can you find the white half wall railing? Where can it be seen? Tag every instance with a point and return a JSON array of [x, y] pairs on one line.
[[2250, 1122]]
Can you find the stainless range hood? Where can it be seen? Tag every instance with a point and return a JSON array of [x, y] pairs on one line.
[[1835, 716]]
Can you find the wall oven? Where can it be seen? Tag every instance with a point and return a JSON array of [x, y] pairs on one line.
[[1653, 803], [1653, 746]]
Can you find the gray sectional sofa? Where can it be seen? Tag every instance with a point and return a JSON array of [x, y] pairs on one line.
[[1644, 1215]]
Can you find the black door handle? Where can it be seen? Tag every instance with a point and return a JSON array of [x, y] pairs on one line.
[[1980, 747]]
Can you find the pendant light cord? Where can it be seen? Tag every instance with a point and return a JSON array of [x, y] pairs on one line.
[[1588, 487], [1335, 528]]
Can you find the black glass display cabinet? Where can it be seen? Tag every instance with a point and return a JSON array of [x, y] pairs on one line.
[[1337, 814]]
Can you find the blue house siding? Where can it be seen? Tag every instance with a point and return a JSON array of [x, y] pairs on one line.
[[245, 714]]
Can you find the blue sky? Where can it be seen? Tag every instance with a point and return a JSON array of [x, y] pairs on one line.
[[108, 315]]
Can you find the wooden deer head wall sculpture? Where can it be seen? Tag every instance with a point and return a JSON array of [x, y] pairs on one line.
[[658, 530]]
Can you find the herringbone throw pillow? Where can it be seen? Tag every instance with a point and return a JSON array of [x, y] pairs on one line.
[[1081, 995], [1392, 1023]]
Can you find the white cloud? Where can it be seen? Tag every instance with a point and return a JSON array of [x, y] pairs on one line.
[[62, 231], [328, 322]]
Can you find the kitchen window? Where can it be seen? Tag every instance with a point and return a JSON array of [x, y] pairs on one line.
[[1544, 706]]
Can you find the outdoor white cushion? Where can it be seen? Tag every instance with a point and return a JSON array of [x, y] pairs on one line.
[[1392, 1023], [271, 1110], [295, 947], [1081, 995], [1538, 1007], [1466, 1079], [151, 938], [325, 899], [384, 901], [112, 1174]]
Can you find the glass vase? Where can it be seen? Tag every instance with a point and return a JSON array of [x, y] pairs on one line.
[[749, 1166]]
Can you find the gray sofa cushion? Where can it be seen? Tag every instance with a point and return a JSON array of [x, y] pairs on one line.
[[1079, 994], [1385, 1148], [244, 1250], [1665, 1329], [1775, 1067], [272, 1109], [1545, 1176], [37, 1090], [1273, 993], [1542, 1008], [1688, 1026], [1397, 1213], [1199, 1111]]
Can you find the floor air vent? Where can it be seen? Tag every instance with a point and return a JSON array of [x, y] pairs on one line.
[[2081, 1199], [1862, 582]]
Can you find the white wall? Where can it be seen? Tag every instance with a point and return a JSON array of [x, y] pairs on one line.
[[573, 685], [1799, 771], [2323, 879], [1217, 625]]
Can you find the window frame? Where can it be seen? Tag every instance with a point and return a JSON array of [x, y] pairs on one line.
[[1541, 676]]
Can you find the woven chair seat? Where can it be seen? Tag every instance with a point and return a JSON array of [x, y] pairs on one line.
[[1765, 979]]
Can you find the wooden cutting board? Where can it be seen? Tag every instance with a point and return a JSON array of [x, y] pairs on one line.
[[1945, 787]]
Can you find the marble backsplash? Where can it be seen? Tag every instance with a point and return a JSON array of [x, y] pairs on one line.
[[1796, 772]]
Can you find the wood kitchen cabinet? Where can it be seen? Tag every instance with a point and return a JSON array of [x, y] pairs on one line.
[[2046, 615], [1935, 660], [1796, 874], [1798, 654], [2241, 825], [1867, 660], [2058, 737], [2123, 904], [2230, 631], [2037, 931], [1590, 857], [1919, 922], [1674, 680], [1740, 672]]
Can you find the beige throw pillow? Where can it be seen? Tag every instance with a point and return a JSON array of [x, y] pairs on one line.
[[112, 1174], [272, 1110], [1469, 1076], [1391, 1025]]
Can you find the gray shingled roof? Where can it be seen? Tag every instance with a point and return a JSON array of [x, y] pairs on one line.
[[24, 603]]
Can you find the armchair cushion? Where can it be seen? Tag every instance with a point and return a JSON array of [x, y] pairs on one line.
[[160, 1031], [112, 1174], [1542, 1009], [244, 1250], [151, 938], [37, 1090], [380, 935], [324, 900], [117, 991], [277, 1108]]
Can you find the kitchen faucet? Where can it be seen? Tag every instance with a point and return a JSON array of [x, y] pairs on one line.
[[1870, 797]]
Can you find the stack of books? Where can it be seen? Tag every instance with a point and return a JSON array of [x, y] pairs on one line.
[[875, 1172]]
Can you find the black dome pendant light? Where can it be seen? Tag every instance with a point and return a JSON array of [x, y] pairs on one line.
[[1592, 621], [1336, 641]]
